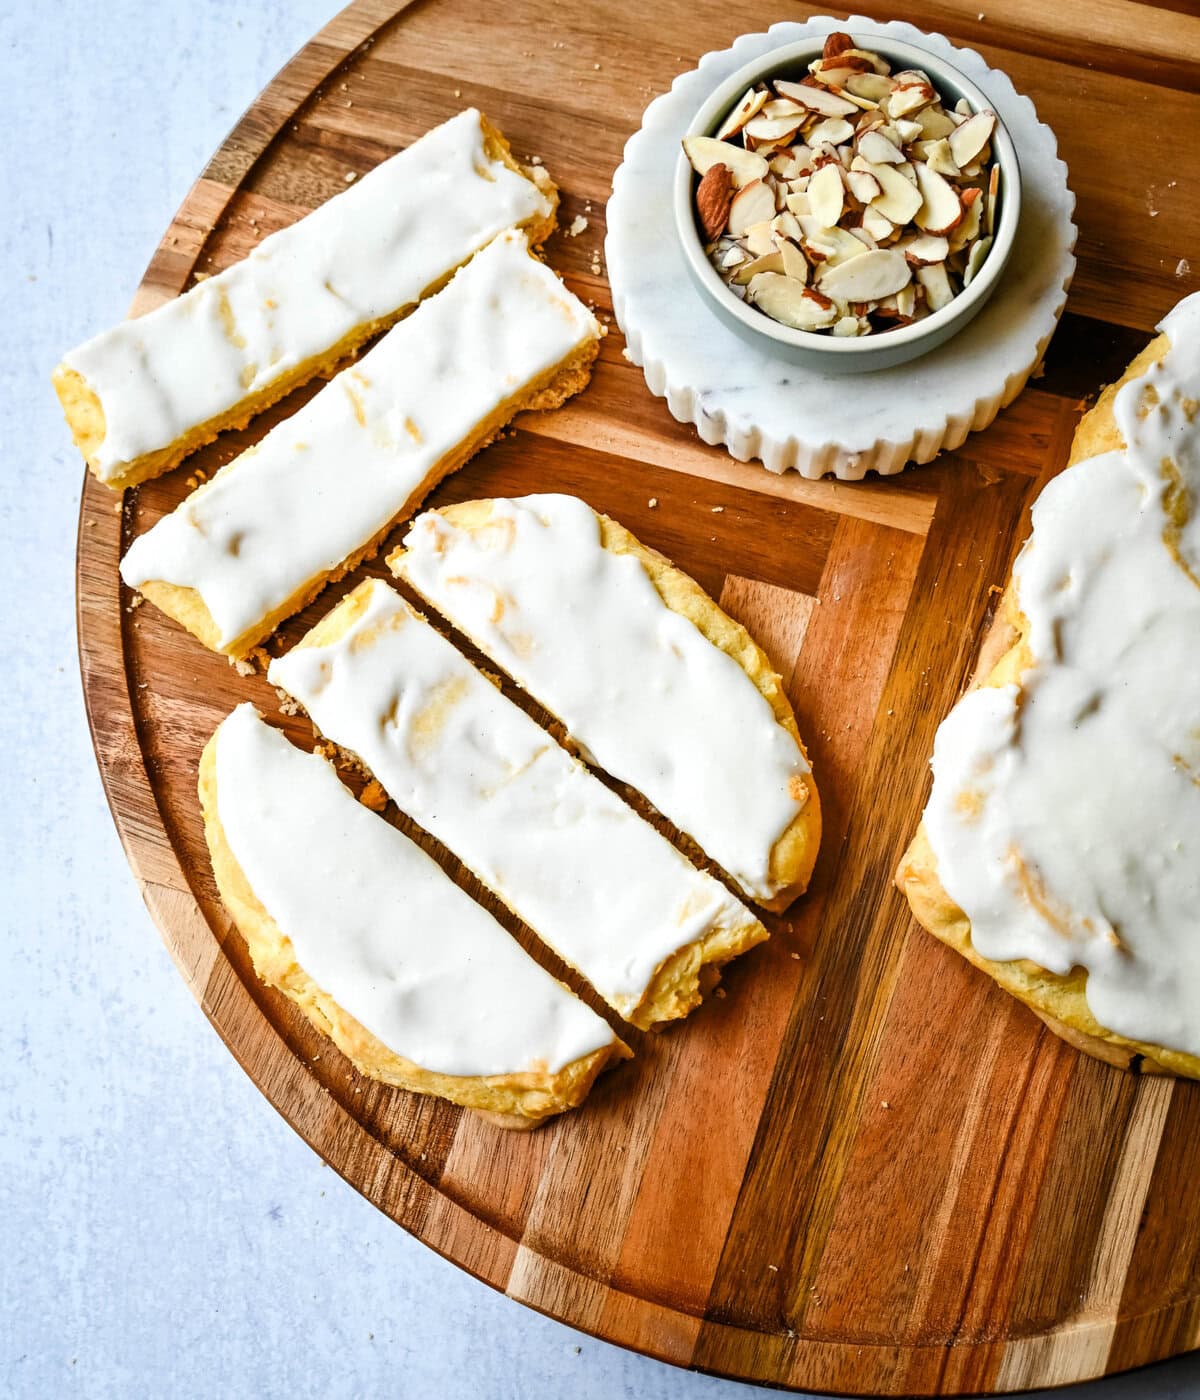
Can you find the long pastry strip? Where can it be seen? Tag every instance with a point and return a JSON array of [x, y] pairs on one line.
[[651, 679], [140, 397], [610, 895], [1060, 849], [324, 487], [415, 982]]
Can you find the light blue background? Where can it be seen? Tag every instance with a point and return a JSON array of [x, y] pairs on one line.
[[162, 1231]]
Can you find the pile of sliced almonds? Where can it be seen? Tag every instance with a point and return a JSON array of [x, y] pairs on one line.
[[851, 201]]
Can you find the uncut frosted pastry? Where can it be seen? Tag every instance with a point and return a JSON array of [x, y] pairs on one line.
[[1061, 845]]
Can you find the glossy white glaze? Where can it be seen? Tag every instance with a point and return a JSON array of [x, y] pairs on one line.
[[610, 895], [362, 452], [1065, 816], [362, 255], [380, 927], [642, 691]]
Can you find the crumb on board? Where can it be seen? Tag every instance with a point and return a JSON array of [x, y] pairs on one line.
[[578, 224], [373, 796], [653, 502]]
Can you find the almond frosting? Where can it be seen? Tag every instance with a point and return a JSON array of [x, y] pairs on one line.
[[380, 927], [359, 257], [597, 883], [640, 688], [326, 481], [1065, 816]]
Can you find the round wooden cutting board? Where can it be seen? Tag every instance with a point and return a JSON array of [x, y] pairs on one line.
[[862, 1168]]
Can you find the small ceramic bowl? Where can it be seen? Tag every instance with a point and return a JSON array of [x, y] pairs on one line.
[[849, 354]]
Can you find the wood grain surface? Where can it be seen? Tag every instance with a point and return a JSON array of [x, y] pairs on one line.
[[863, 1168]]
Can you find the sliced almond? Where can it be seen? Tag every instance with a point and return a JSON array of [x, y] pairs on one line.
[[934, 123], [924, 249], [967, 141], [863, 236], [826, 195], [975, 259], [939, 156], [797, 202], [829, 245], [969, 225], [769, 262], [878, 225], [872, 86], [936, 282], [772, 129], [846, 325], [940, 208], [751, 102], [753, 204], [833, 130], [909, 97], [907, 131], [785, 225], [829, 104], [863, 185], [876, 148], [734, 257], [784, 107], [900, 200], [759, 238], [790, 303], [993, 191], [906, 300], [866, 278], [795, 264], [705, 151]]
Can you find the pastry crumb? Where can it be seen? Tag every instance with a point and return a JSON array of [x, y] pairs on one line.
[[373, 796], [653, 502], [578, 224], [350, 176], [243, 665]]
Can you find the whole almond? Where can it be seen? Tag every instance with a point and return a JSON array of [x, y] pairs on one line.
[[836, 43], [714, 194]]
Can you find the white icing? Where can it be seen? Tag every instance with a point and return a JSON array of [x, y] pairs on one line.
[[610, 895], [638, 686], [361, 256], [327, 480], [380, 927], [1092, 772]]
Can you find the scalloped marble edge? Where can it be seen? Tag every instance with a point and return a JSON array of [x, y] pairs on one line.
[[886, 457]]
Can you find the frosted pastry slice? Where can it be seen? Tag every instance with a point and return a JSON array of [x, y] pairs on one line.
[[417, 984], [610, 895], [140, 397], [323, 488], [1060, 848], [651, 679]]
